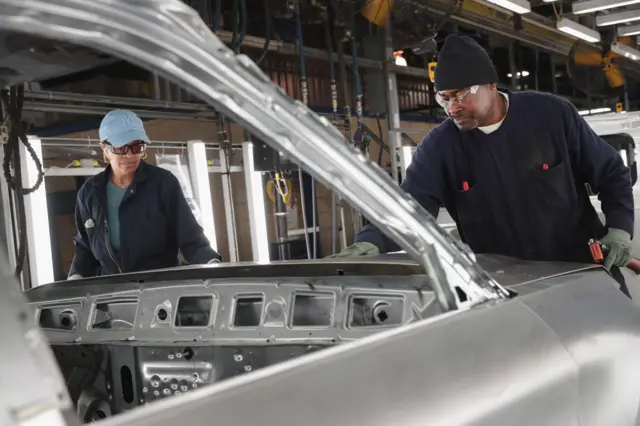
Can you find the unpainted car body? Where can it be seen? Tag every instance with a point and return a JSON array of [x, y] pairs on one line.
[[476, 341]]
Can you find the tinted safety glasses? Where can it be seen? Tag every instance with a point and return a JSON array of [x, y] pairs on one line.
[[134, 148]]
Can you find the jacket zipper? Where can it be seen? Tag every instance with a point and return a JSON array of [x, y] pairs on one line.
[[106, 237]]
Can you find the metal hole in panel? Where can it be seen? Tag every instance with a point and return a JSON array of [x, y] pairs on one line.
[[126, 379], [367, 311], [194, 311], [115, 314], [62, 317], [248, 311], [312, 310]]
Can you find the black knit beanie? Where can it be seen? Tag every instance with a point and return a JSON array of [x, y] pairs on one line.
[[462, 63]]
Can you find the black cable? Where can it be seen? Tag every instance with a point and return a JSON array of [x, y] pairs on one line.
[[359, 137], [234, 24], [243, 24], [268, 31], [332, 68], [380, 134], [12, 102], [217, 13], [343, 79], [303, 69]]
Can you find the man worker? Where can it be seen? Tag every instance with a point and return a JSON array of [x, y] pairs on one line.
[[511, 169]]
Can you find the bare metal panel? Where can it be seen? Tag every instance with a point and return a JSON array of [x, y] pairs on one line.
[[563, 356], [239, 312]]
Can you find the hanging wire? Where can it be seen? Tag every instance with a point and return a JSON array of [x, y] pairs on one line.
[[12, 102]]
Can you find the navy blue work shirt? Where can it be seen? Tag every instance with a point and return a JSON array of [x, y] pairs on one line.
[[526, 193], [155, 223]]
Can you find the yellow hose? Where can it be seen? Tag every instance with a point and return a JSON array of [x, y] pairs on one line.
[[283, 187]]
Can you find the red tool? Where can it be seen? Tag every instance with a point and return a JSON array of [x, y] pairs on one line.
[[598, 251]]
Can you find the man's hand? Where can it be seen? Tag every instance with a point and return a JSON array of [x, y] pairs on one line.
[[359, 249], [619, 243]]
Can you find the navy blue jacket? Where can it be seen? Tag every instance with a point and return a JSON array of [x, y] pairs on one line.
[[155, 223], [527, 196]]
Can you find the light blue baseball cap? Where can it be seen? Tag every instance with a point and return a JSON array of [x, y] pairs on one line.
[[120, 127]]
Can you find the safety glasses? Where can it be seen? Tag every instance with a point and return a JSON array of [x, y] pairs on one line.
[[461, 97], [134, 148]]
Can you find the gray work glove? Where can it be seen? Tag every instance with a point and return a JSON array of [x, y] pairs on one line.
[[358, 249], [619, 243]]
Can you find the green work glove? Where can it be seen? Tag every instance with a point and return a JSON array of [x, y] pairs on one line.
[[619, 243], [359, 249]]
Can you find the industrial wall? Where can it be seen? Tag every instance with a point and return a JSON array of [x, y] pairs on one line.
[[169, 130]]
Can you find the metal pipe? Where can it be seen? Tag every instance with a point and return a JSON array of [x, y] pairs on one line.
[[305, 100], [167, 90], [393, 114], [334, 121], [157, 95], [76, 142], [95, 110], [113, 100], [290, 49]]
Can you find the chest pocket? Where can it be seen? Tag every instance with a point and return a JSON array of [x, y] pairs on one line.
[[552, 188], [475, 217]]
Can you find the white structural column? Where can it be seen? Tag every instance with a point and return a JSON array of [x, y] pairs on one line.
[[255, 202], [406, 155], [202, 188], [37, 218], [229, 213], [7, 215]]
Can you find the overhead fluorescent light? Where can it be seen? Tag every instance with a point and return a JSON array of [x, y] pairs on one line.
[[628, 30], [517, 6], [626, 51], [618, 18], [594, 111], [579, 31], [519, 74], [589, 6], [549, 1]]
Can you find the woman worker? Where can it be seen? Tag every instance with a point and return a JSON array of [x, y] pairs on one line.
[[133, 216]]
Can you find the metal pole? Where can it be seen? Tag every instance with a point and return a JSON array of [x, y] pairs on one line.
[[512, 66], [626, 97], [393, 115], [281, 226], [227, 195], [554, 81], [157, 95]]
